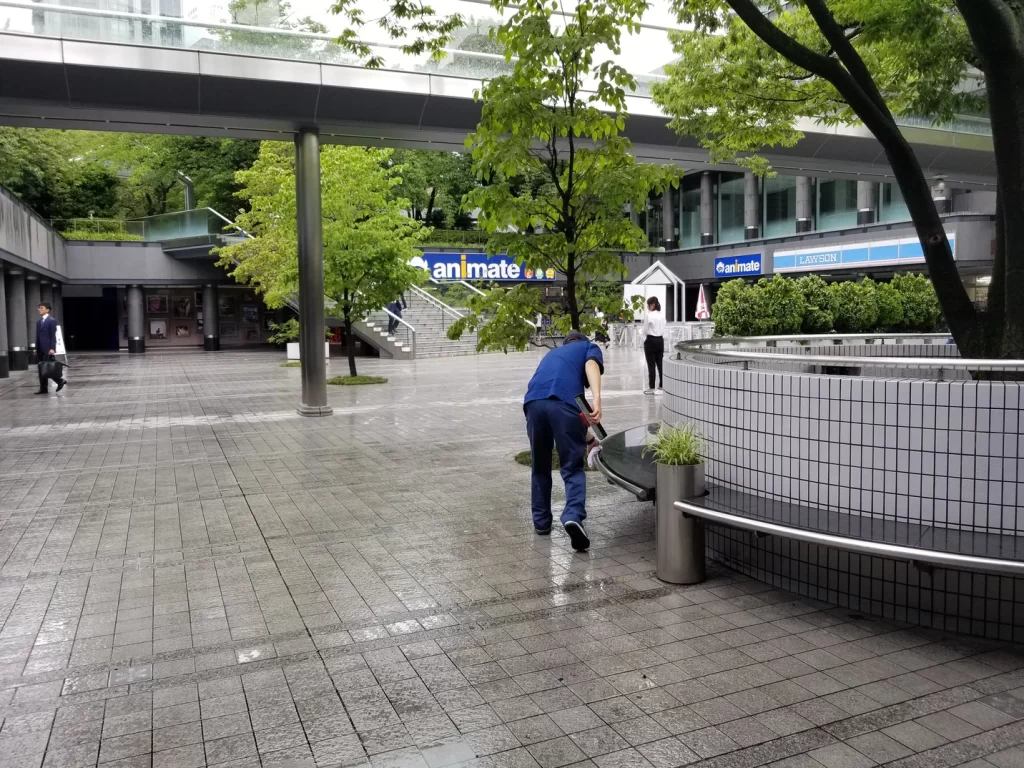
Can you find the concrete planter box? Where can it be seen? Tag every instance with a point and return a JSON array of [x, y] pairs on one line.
[[293, 351]]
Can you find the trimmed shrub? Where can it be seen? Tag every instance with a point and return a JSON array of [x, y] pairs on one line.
[[731, 309], [779, 306], [921, 310], [819, 312], [890, 306], [856, 306]]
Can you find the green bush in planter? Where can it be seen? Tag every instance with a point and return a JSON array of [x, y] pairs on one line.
[[681, 445], [890, 306], [921, 310], [732, 308], [819, 312], [856, 308], [778, 307]]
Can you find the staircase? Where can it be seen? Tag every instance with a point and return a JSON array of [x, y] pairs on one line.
[[431, 322]]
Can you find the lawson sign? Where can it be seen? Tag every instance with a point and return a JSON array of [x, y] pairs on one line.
[[478, 266], [879, 253], [738, 266]]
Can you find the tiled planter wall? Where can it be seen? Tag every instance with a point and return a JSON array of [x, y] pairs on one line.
[[944, 453]]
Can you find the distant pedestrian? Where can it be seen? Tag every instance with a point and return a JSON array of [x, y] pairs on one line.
[[601, 337], [654, 345], [553, 421], [46, 347]]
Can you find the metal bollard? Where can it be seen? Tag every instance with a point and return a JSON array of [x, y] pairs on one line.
[[679, 540]]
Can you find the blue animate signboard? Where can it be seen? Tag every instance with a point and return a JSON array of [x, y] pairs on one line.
[[880, 253], [738, 266], [478, 266]]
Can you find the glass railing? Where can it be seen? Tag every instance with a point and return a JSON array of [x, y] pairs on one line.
[[470, 55], [179, 225]]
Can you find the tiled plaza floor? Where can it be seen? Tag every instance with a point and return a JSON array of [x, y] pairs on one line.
[[191, 574]]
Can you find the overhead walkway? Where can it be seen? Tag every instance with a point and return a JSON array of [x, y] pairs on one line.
[[92, 71]]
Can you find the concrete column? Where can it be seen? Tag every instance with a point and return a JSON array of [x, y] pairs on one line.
[[668, 229], [32, 315], [804, 204], [311, 275], [5, 366], [942, 197], [136, 320], [211, 324], [707, 209], [751, 207], [17, 331], [58, 305], [867, 202], [46, 294]]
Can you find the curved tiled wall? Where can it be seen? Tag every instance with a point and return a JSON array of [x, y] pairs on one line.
[[942, 453]]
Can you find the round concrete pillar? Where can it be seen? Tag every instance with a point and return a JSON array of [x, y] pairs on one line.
[[32, 300], [136, 321], [5, 366], [17, 332], [211, 313]]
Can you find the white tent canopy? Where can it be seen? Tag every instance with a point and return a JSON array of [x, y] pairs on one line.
[[661, 282]]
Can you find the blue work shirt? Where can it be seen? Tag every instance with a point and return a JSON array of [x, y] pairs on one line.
[[562, 374]]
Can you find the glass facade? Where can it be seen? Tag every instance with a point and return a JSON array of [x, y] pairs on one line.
[[892, 207], [689, 215], [779, 206], [837, 204], [730, 207], [833, 206]]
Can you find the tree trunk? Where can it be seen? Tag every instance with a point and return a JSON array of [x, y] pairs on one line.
[[570, 289], [430, 206], [996, 28], [350, 344]]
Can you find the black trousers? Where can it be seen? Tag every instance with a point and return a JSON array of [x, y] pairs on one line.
[[654, 351]]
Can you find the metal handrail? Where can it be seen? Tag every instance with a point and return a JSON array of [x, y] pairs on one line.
[[716, 340], [895, 551], [437, 302], [229, 27], [412, 330], [965, 364]]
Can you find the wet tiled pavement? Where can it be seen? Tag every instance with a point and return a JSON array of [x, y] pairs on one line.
[[194, 575]]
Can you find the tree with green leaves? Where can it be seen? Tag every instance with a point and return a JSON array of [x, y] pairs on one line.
[[549, 144], [414, 22], [55, 175], [748, 70], [434, 183], [367, 240]]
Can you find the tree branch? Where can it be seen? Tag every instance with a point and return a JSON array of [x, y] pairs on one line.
[[855, 65]]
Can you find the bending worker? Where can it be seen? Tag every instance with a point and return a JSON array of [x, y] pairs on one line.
[[553, 419]]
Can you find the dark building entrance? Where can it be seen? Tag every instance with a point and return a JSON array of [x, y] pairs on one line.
[[90, 322]]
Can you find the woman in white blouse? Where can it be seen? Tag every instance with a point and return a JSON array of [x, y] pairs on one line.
[[654, 344]]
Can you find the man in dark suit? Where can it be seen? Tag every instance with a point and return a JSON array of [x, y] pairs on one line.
[[46, 345]]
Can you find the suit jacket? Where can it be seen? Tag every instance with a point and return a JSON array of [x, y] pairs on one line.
[[46, 336]]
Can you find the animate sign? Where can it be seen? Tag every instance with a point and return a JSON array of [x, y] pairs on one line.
[[478, 266], [738, 266], [880, 253]]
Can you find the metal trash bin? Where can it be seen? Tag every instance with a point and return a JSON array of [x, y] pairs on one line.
[[679, 540]]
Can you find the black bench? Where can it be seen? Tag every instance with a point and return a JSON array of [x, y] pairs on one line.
[[621, 460]]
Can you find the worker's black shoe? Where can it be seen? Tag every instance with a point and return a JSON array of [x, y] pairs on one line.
[[577, 536]]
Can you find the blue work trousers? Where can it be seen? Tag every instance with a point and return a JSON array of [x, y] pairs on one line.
[[551, 423]]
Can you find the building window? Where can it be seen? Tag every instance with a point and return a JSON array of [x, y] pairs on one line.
[[689, 214], [893, 206], [731, 191], [655, 228], [779, 206], [837, 204]]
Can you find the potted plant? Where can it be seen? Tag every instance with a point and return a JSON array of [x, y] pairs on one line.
[[678, 452], [288, 333]]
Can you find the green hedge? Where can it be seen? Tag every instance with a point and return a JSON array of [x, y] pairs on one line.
[[784, 306], [81, 234]]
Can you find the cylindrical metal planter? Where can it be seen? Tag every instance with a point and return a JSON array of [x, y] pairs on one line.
[[679, 540]]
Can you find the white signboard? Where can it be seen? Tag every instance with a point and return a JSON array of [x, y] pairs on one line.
[[60, 349]]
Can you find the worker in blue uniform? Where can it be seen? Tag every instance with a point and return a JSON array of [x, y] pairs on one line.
[[553, 420]]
